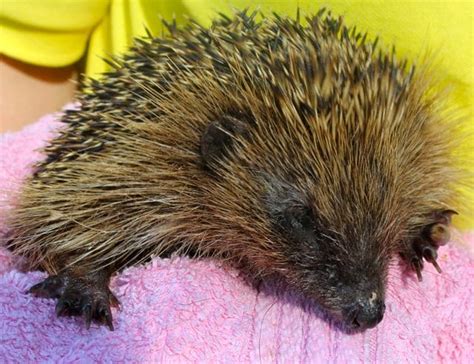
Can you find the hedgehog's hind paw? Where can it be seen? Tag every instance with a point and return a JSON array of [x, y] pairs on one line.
[[87, 296], [93, 304], [426, 245]]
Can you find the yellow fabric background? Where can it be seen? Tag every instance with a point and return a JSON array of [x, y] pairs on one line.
[[57, 32]]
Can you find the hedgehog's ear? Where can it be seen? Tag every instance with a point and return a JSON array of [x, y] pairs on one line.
[[218, 137]]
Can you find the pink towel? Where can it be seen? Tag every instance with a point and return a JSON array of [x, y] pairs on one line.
[[181, 310]]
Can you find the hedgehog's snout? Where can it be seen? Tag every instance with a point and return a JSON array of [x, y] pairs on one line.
[[365, 313]]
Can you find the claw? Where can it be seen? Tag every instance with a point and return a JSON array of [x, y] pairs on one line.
[[52, 287], [114, 302], [109, 323], [105, 313], [87, 313], [430, 256], [37, 290], [436, 265], [418, 266], [61, 308], [446, 215], [430, 253]]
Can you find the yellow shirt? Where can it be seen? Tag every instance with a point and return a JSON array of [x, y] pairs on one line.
[[57, 32]]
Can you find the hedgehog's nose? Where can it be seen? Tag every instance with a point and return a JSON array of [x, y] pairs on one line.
[[367, 313]]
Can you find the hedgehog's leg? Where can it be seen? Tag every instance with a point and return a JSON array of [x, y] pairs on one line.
[[80, 294], [425, 246]]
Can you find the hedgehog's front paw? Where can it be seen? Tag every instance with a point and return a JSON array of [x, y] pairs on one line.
[[78, 296], [426, 245]]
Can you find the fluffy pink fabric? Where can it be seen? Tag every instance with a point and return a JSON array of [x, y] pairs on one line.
[[182, 310]]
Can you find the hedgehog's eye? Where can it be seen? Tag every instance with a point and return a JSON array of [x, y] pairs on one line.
[[289, 209], [297, 222], [298, 218]]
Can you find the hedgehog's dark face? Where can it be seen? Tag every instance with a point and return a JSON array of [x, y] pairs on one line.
[[339, 267], [335, 259]]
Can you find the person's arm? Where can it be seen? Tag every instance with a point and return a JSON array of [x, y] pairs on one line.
[[28, 92]]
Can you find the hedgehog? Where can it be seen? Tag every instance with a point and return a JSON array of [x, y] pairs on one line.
[[287, 147]]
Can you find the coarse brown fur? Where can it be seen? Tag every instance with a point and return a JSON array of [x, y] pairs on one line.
[[341, 157]]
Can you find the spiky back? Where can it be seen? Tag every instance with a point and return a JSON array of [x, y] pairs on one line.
[[124, 179]]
